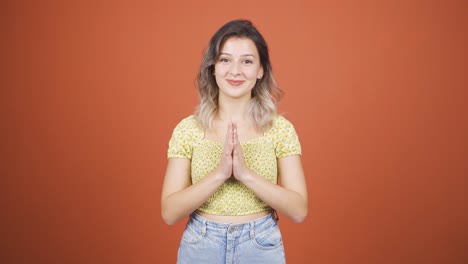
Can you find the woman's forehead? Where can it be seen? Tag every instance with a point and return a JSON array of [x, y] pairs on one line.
[[239, 46]]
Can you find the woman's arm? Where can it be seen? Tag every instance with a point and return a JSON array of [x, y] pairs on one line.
[[290, 199], [179, 197]]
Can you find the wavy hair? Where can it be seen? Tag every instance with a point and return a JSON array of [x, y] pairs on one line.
[[266, 94]]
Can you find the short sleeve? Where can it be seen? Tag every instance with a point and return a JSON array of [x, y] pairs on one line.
[[287, 140], [183, 139]]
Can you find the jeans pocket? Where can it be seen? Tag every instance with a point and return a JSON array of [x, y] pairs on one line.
[[269, 239], [192, 235]]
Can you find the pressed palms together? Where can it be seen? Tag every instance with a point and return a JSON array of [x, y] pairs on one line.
[[232, 159]]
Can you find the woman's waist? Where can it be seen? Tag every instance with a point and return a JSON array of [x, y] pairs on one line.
[[238, 219]]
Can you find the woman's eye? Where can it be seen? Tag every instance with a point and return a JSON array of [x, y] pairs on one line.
[[248, 62], [223, 60]]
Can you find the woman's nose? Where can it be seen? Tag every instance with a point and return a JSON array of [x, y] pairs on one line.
[[235, 69]]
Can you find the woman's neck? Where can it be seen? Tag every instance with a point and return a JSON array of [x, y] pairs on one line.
[[232, 110]]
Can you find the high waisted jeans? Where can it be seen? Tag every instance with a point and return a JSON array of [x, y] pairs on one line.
[[209, 242]]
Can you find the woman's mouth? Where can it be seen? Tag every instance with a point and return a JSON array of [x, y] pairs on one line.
[[235, 82]]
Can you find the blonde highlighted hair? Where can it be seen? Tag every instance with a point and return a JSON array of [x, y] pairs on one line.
[[266, 94]]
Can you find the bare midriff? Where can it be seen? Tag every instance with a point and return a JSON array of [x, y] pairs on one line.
[[233, 218]]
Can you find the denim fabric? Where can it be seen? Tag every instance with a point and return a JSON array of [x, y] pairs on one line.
[[209, 242]]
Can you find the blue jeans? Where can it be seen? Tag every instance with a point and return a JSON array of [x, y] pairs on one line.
[[209, 242]]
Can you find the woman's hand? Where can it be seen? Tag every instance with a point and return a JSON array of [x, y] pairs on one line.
[[232, 158], [225, 165], [239, 168]]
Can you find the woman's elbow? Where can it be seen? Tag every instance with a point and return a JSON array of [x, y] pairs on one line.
[[167, 216], [300, 216], [168, 219]]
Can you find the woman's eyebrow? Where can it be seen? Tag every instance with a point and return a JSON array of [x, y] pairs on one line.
[[243, 55]]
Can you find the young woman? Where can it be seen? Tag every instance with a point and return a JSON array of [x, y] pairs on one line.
[[225, 161]]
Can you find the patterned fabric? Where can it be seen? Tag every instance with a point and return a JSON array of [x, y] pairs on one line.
[[260, 154]]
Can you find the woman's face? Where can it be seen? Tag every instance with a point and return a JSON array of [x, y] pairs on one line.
[[238, 68]]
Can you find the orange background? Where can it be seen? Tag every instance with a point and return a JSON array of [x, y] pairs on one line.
[[91, 91]]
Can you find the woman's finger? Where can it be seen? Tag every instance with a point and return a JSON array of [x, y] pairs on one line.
[[239, 166], [228, 141], [235, 136]]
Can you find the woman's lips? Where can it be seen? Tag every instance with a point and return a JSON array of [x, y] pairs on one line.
[[235, 82]]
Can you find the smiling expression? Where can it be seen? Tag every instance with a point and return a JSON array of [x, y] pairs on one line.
[[238, 68]]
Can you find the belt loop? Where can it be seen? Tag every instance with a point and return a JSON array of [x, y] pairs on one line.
[[252, 230], [204, 227]]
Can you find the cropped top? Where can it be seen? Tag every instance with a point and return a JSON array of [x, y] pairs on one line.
[[233, 197]]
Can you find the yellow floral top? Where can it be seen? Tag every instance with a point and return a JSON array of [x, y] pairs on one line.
[[261, 154]]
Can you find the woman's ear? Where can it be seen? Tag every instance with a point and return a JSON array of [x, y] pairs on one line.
[[260, 73]]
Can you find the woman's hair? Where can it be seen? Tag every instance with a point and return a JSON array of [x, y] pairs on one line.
[[265, 94]]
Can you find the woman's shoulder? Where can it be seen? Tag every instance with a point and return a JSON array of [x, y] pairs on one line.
[[280, 123], [188, 129], [284, 137], [185, 135], [189, 123], [281, 127], [280, 119]]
